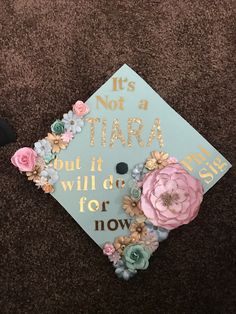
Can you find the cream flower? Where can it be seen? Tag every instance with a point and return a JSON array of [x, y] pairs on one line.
[[121, 243], [34, 175], [138, 230], [41, 182], [157, 160], [56, 142], [131, 206]]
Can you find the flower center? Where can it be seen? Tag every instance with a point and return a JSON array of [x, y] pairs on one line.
[[35, 172], [56, 142], [72, 122], [139, 229], [134, 204], [168, 199], [134, 256]]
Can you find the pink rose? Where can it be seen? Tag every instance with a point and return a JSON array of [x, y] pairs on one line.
[[108, 249], [171, 197], [80, 108], [24, 158]]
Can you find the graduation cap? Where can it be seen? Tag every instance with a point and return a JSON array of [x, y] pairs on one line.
[[93, 161]]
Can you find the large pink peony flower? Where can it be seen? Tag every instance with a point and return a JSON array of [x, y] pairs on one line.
[[171, 197], [24, 158]]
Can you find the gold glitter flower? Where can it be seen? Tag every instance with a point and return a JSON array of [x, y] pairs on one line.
[[121, 243], [56, 142], [48, 188], [131, 207], [138, 230], [157, 160], [35, 173]]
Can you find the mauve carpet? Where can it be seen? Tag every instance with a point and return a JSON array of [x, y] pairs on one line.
[[54, 52]]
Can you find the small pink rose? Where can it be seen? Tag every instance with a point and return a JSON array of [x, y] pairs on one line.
[[80, 108], [171, 197], [24, 158], [108, 249]]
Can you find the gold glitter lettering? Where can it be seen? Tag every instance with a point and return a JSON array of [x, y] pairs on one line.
[[195, 157], [93, 205], [120, 183], [108, 183], [135, 132], [104, 129], [99, 164], [93, 122], [69, 165], [143, 104], [219, 163], [156, 132], [116, 133]]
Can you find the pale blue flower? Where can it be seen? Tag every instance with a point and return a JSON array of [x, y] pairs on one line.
[[72, 122], [48, 158], [135, 193], [131, 183], [162, 233], [123, 272], [150, 226], [51, 175], [43, 147], [137, 172]]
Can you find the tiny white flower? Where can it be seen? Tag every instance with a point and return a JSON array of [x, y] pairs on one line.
[[72, 122], [43, 147], [41, 182], [50, 174]]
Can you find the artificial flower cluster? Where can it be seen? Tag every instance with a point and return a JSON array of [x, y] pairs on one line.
[[163, 196], [37, 162]]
